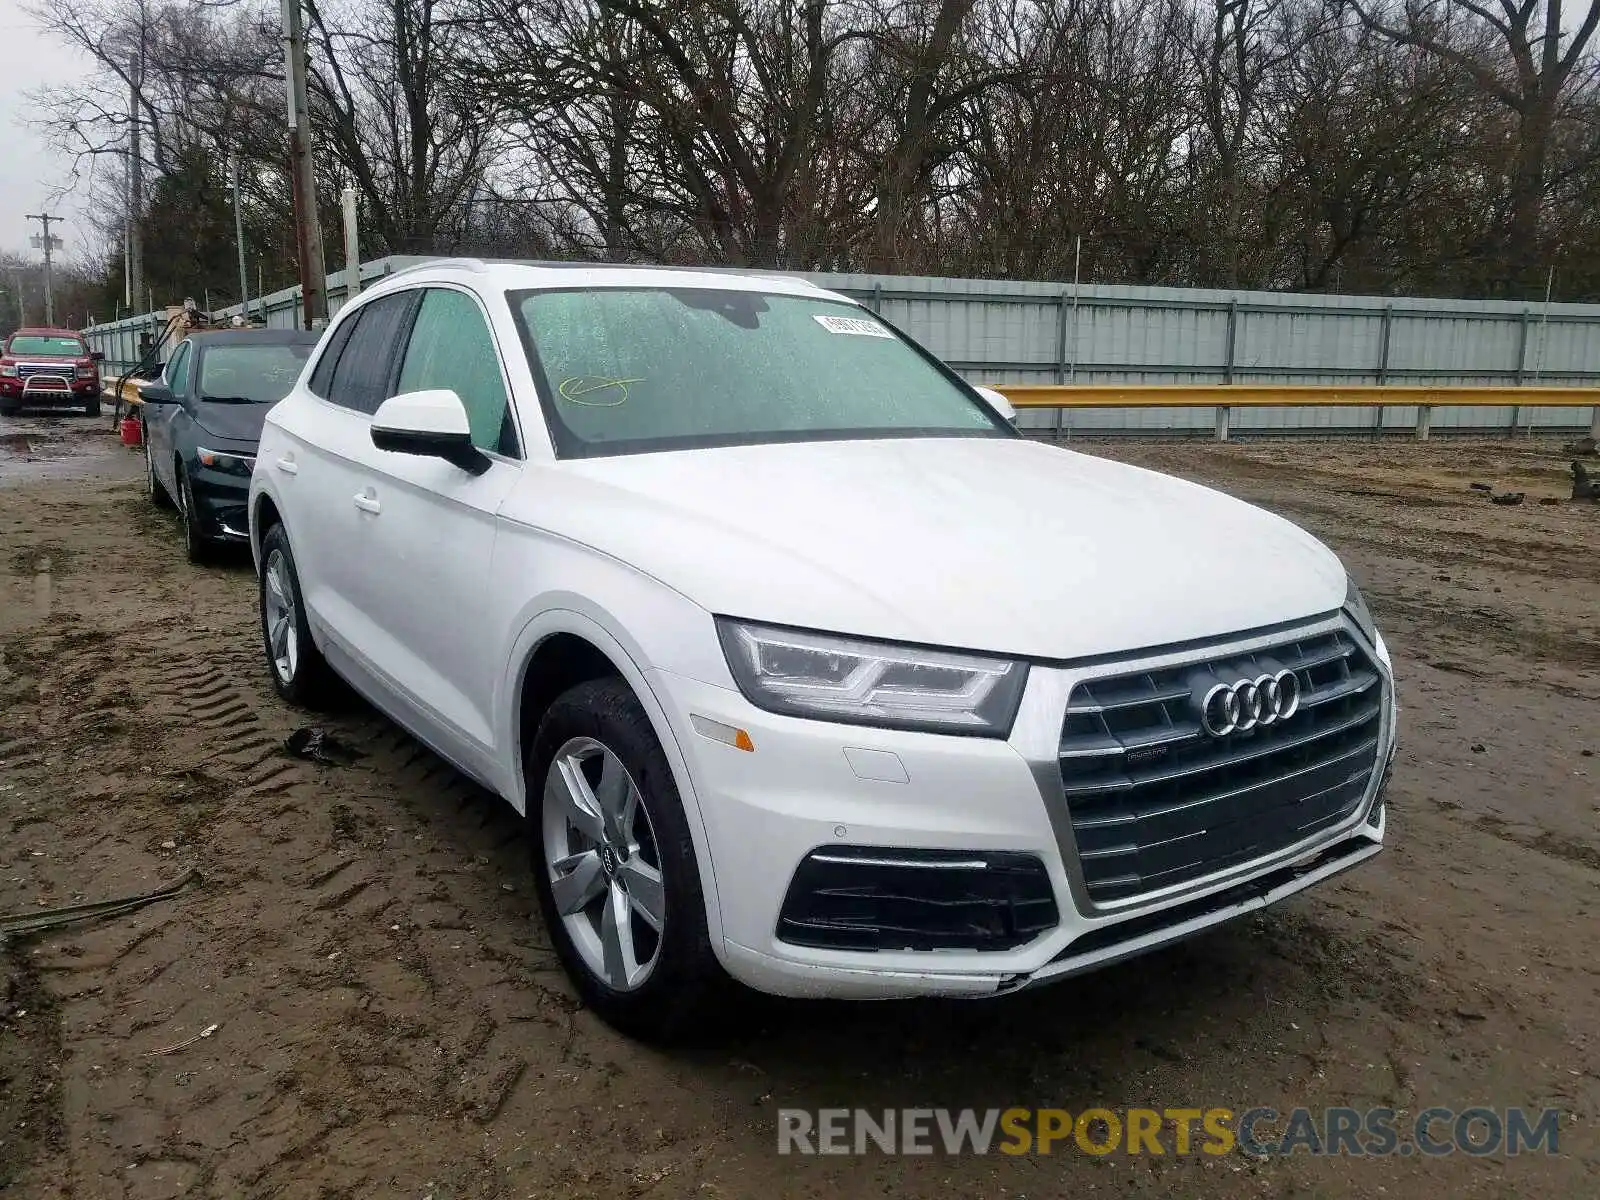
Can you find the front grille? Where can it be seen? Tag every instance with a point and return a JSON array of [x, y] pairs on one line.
[[29, 370], [874, 898], [1156, 801]]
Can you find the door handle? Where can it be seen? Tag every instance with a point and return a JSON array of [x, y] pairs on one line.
[[288, 466], [368, 503]]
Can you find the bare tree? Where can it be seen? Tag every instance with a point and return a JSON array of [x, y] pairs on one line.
[[1086, 143], [1450, 146], [1519, 53], [389, 115]]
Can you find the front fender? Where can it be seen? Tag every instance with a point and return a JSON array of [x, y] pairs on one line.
[[567, 613], [260, 489]]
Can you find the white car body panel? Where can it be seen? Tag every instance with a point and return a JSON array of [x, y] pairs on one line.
[[1004, 545], [433, 606]]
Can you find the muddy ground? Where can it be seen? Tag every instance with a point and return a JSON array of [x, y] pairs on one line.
[[386, 1018]]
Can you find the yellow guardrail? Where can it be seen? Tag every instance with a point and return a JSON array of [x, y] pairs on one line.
[[1224, 397], [130, 392]]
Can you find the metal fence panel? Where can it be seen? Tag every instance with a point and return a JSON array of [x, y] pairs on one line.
[[1017, 331]]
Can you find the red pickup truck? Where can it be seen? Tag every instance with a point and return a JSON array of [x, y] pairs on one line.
[[40, 367]]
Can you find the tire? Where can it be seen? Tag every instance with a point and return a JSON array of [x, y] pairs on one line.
[[154, 489], [196, 546], [10, 410], [592, 729], [91, 408], [299, 672]]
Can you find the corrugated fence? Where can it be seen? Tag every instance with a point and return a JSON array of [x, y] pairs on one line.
[[1008, 331]]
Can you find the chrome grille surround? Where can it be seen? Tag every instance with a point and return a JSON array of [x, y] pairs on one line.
[[1042, 718]]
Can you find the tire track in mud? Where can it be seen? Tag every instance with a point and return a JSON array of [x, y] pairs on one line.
[[19, 753], [383, 879]]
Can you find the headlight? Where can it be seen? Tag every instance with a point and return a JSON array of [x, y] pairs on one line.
[[870, 683], [1356, 605], [228, 464], [9, 370]]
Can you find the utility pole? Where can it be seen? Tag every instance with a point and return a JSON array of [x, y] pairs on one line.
[[308, 229], [135, 256], [22, 300], [48, 244], [238, 237], [352, 245]]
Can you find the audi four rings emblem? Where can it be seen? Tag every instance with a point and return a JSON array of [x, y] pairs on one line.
[[1244, 705]]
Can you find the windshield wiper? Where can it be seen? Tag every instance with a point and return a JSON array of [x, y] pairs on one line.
[[230, 399]]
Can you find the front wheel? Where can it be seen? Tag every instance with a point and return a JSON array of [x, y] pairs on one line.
[[91, 408], [10, 410], [299, 672], [196, 545], [614, 865]]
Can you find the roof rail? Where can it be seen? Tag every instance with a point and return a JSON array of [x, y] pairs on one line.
[[471, 264], [480, 265], [603, 265], [800, 279]]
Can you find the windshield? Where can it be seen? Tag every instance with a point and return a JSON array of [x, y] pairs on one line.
[[257, 374], [55, 347], [638, 369]]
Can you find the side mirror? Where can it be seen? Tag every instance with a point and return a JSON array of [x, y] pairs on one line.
[[432, 423], [98, 356], [998, 402], [156, 393]]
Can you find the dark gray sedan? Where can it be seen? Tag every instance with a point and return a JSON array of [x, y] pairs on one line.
[[202, 421]]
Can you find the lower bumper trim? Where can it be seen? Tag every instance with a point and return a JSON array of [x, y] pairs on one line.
[[1140, 935], [808, 981]]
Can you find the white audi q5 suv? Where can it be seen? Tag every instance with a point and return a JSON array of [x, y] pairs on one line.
[[805, 667]]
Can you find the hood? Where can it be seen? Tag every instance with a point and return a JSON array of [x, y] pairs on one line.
[[235, 422], [996, 544]]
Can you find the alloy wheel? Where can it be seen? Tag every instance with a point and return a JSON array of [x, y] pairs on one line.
[[185, 508], [604, 863], [278, 612]]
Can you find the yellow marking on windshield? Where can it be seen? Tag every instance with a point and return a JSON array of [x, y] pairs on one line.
[[586, 385]]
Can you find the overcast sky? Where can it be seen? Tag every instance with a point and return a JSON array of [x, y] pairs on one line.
[[30, 170]]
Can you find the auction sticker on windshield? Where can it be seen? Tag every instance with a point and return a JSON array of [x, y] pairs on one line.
[[851, 325]]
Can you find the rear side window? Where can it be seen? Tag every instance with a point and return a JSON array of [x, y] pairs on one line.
[[364, 375], [322, 377]]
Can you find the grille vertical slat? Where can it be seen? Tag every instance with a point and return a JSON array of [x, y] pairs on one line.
[[1156, 801]]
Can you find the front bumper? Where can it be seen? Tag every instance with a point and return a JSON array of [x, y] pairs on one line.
[[222, 503], [49, 391], [812, 786]]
